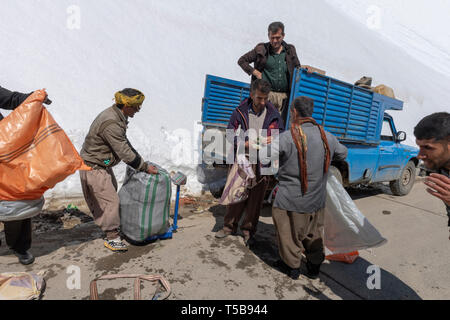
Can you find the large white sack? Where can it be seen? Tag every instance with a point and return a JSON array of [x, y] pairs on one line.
[[20, 210], [346, 228]]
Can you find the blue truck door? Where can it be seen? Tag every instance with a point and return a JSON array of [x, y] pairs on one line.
[[389, 159]]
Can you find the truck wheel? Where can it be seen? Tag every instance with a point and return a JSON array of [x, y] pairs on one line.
[[403, 185], [335, 171]]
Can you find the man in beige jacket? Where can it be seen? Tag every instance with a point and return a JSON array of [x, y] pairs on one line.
[[105, 146]]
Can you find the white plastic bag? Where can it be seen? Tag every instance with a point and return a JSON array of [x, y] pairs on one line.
[[20, 210], [346, 228]]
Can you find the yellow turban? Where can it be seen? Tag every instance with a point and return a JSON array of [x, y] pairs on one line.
[[134, 101]]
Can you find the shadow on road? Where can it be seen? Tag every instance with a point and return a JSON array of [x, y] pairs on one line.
[[368, 191], [56, 229], [336, 275]]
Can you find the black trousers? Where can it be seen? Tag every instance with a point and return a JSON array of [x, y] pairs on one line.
[[18, 235]]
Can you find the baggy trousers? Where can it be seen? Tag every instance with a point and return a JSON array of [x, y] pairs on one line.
[[18, 235], [252, 207], [297, 233], [277, 99], [100, 192]]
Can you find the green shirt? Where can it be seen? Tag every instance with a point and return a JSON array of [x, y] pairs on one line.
[[276, 72]]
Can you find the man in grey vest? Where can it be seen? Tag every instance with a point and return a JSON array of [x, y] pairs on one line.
[[305, 153]]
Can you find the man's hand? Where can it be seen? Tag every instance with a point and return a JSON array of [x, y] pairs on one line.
[[47, 100], [268, 140], [309, 70], [439, 186], [152, 170], [257, 74]]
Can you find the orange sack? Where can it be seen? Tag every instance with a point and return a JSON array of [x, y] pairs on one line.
[[35, 153], [349, 257]]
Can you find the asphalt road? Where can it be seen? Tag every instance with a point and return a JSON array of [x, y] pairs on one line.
[[412, 265]]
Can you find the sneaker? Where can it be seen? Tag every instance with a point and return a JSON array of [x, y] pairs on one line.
[[293, 273], [116, 245], [24, 258], [312, 270], [222, 233]]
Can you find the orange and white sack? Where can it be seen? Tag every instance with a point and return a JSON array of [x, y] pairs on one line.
[[35, 153]]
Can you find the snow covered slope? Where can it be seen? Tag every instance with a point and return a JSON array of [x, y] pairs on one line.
[[165, 48]]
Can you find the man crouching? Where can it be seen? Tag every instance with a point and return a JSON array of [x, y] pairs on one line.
[[105, 146]]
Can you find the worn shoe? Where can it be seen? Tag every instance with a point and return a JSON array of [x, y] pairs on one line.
[[24, 258], [222, 234], [293, 273], [248, 239], [116, 245], [312, 270]]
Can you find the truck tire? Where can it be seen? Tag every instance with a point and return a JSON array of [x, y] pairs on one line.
[[403, 185], [337, 173]]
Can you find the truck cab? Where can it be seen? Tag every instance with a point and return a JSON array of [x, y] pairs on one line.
[[389, 161]]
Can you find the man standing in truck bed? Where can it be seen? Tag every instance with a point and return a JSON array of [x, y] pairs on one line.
[[105, 146], [274, 62]]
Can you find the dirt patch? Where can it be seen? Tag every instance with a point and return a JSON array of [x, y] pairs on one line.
[[211, 257], [64, 219], [190, 205], [50, 273], [247, 261], [115, 260], [264, 288]]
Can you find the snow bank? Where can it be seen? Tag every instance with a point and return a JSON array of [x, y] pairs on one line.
[[165, 49]]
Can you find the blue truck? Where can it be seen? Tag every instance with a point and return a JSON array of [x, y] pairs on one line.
[[355, 115]]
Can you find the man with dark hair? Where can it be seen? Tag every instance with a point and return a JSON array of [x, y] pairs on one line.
[[105, 146], [304, 106], [273, 61], [255, 113], [305, 153], [17, 233], [433, 138]]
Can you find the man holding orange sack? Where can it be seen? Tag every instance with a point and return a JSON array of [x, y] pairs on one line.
[[17, 233], [105, 146]]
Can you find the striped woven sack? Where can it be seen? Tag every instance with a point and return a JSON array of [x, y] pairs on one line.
[[145, 204]]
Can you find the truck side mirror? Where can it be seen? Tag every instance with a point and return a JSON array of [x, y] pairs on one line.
[[401, 136]]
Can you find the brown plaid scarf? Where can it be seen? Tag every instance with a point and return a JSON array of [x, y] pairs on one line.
[[302, 147]]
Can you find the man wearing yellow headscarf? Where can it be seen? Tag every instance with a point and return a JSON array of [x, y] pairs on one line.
[[105, 146]]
